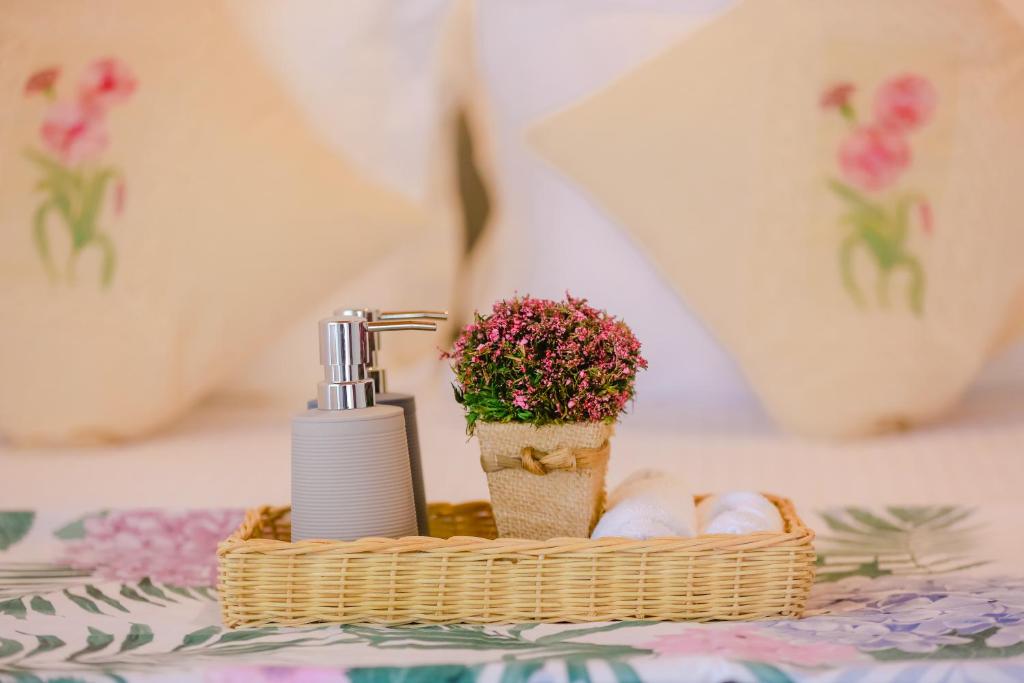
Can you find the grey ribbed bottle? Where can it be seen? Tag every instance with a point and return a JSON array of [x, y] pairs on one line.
[[350, 475]]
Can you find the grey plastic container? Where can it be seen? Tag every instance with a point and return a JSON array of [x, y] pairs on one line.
[[407, 402], [350, 475]]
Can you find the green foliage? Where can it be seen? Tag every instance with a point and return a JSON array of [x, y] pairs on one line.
[[75, 197], [14, 525], [899, 540], [882, 232]]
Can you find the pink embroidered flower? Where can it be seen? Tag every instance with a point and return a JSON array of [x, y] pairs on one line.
[[838, 96], [42, 81], [873, 157], [924, 211], [120, 191], [905, 103], [169, 547], [73, 132], [106, 82], [747, 643]]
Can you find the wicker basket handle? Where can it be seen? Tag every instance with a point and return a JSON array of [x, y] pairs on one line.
[[536, 461]]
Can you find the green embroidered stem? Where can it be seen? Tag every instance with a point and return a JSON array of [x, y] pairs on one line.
[[42, 242], [846, 268]]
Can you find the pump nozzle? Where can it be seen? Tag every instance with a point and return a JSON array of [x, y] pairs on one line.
[[346, 355], [376, 317]]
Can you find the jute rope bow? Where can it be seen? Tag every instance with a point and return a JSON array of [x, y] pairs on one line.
[[537, 461]]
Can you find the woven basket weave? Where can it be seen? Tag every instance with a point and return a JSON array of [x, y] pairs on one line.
[[468, 577], [546, 481]]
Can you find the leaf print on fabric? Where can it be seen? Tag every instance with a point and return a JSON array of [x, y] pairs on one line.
[[96, 594], [85, 603], [435, 673], [198, 637], [76, 529], [9, 647], [766, 673], [15, 607], [46, 644], [14, 525], [871, 159], [96, 641], [42, 605], [514, 641], [138, 635], [896, 540]]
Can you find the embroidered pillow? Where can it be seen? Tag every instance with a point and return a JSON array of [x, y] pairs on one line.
[[833, 186], [165, 206]]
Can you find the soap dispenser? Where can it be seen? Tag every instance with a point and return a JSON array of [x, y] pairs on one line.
[[351, 475], [407, 402]]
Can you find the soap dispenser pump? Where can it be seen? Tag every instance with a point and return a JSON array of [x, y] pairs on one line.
[[351, 475], [407, 402]]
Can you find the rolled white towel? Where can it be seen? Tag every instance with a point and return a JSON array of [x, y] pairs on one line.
[[738, 512], [646, 505], [619, 522]]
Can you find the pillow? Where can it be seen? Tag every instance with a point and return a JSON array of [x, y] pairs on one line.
[[837, 200], [165, 207]]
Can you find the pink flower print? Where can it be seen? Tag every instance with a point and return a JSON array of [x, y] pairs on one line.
[[106, 82], [73, 132], [178, 548], [274, 674], [924, 212], [838, 96], [119, 197], [873, 157], [747, 643], [905, 103], [42, 81]]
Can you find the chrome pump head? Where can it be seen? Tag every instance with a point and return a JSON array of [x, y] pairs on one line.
[[346, 354], [377, 373]]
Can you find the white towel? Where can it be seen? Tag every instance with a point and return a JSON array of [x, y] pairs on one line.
[[649, 504], [738, 512]]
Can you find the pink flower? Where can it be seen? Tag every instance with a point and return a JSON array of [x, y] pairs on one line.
[[274, 674], [42, 81], [747, 643], [119, 197], [106, 82], [873, 157], [837, 96], [73, 132], [905, 103], [169, 547], [924, 210]]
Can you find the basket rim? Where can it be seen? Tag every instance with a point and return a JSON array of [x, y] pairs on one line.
[[241, 542]]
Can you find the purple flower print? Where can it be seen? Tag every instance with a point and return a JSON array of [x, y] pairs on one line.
[[178, 548], [914, 615]]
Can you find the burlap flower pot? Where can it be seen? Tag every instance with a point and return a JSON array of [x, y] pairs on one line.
[[545, 482]]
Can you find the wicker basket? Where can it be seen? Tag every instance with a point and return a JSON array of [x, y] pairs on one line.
[[465, 576], [545, 482]]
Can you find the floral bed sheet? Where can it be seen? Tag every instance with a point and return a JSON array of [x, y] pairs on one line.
[[904, 593]]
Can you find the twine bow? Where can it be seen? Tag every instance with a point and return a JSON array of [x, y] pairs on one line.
[[536, 461]]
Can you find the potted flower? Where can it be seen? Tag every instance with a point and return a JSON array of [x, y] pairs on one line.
[[542, 383]]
